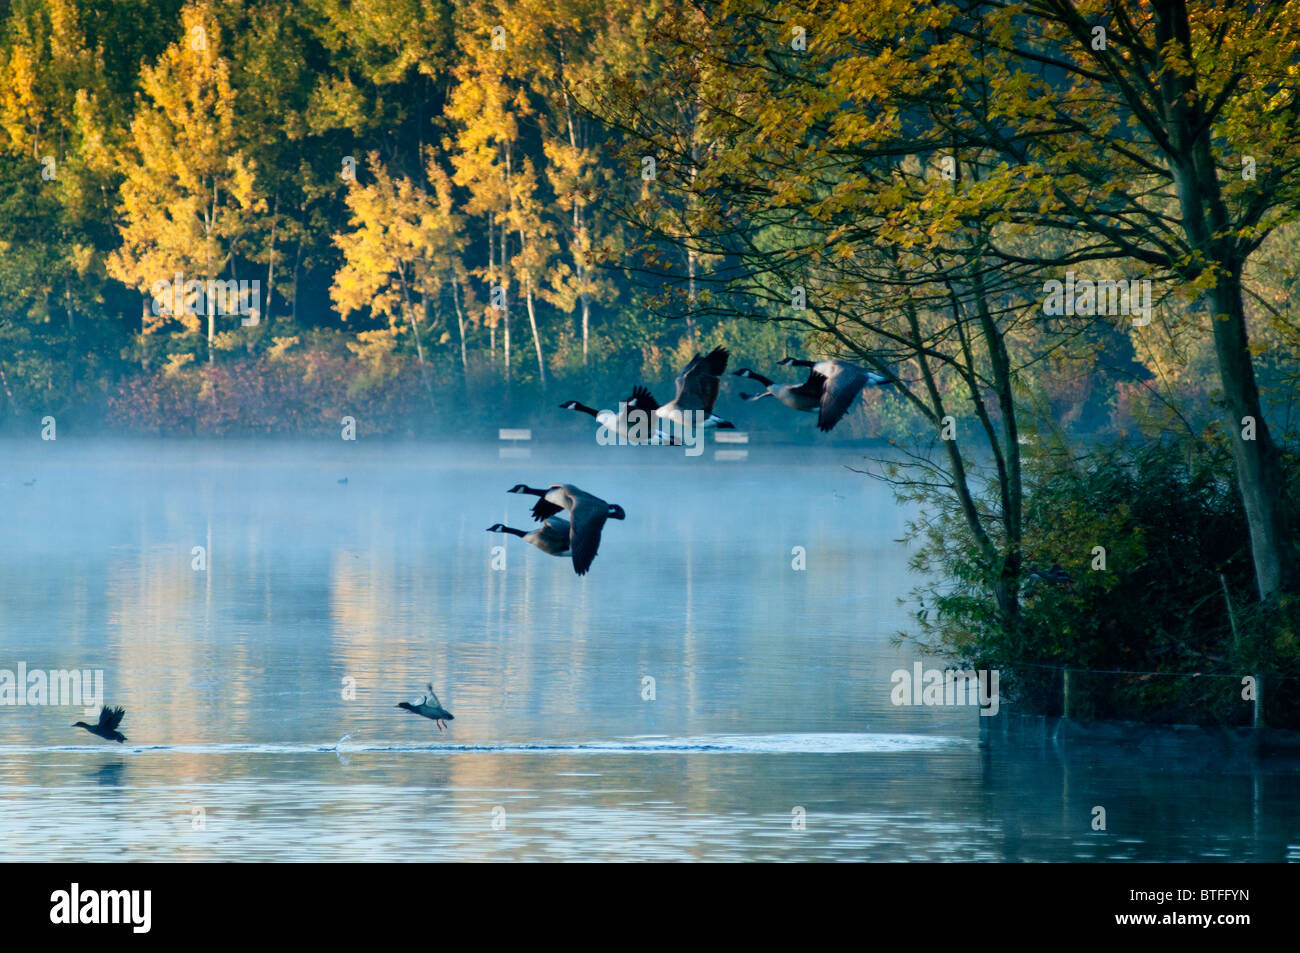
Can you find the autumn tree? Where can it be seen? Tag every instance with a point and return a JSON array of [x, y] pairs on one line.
[[55, 112], [399, 253], [189, 194], [1162, 138]]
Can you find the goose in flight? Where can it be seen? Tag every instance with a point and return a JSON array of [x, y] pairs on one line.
[[805, 397], [109, 719], [429, 707], [606, 418], [635, 422], [587, 516], [551, 537], [830, 388], [697, 390]]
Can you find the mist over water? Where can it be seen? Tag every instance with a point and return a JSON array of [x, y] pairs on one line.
[[771, 685]]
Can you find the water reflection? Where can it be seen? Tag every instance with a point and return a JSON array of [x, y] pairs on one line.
[[323, 604]]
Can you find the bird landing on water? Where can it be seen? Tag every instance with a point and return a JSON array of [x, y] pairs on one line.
[[428, 706]]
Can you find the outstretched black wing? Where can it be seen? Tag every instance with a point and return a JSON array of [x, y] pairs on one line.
[[697, 386], [843, 384], [110, 718], [584, 536], [812, 387], [544, 508], [641, 399]]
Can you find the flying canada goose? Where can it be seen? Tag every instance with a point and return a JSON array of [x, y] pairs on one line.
[[830, 388], [805, 397], [429, 707], [109, 719], [606, 418], [587, 515], [643, 411], [697, 389], [635, 422], [551, 537]]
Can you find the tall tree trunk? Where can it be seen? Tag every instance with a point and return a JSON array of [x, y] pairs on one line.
[[586, 323], [415, 329], [460, 323], [297, 268], [410, 316], [144, 330], [208, 273], [270, 263], [579, 225], [505, 305], [1207, 224], [532, 316], [492, 277], [532, 323], [690, 291], [212, 333], [1260, 478], [72, 329]]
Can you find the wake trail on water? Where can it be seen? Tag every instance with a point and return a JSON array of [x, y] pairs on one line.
[[824, 743]]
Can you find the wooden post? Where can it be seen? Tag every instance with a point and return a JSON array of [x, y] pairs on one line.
[[1065, 703], [1259, 702]]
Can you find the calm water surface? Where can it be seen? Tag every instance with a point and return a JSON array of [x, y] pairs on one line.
[[771, 691]]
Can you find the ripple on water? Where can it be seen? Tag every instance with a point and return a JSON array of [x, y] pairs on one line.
[[805, 743]]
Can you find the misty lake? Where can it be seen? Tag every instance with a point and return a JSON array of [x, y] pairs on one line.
[[695, 696]]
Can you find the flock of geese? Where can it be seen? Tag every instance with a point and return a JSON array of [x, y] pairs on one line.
[[829, 391]]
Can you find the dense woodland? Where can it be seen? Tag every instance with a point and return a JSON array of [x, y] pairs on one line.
[[460, 213]]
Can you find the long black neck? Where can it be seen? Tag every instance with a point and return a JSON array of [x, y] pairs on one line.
[[801, 363], [765, 381], [585, 409], [512, 531]]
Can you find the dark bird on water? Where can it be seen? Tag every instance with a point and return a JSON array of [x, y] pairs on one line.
[[344, 481], [109, 719], [429, 707], [31, 482], [587, 516]]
